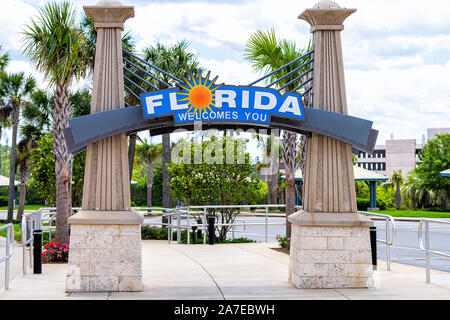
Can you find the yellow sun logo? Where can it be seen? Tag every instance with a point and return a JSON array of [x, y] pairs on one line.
[[200, 93]]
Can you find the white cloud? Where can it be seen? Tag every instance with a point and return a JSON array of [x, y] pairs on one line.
[[13, 16], [401, 101]]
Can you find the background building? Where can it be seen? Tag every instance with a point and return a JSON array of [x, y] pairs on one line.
[[396, 155]]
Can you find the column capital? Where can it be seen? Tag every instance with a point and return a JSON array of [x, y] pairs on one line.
[[326, 15], [109, 14]]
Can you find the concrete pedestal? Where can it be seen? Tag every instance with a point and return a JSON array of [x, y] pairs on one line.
[[105, 252], [330, 250]]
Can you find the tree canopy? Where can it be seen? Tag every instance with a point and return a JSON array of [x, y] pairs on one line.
[[435, 157]]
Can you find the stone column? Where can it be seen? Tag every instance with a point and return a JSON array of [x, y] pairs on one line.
[[330, 244], [105, 238]]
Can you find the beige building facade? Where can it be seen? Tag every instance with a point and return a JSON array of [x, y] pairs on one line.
[[397, 154]]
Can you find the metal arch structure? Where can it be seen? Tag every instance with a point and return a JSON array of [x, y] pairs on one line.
[[139, 73]]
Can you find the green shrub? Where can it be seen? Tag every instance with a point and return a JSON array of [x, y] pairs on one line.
[[381, 203], [363, 204], [283, 242], [3, 201], [444, 210], [153, 233], [238, 240], [199, 240]]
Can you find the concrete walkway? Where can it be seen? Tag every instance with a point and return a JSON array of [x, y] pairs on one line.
[[231, 271]]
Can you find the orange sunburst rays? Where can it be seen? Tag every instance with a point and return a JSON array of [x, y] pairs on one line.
[[199, 93]]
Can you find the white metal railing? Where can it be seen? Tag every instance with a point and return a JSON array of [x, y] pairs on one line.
[[180, 219], [425, 245], [391, 234], [9, 250]]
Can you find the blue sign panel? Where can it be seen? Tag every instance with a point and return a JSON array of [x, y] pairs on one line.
[[200, 100]]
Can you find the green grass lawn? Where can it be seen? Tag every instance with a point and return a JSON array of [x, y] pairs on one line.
[[415, 214], [28, 207], [17, 232]]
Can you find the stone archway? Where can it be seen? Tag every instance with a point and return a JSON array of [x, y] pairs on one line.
[[330, 245]]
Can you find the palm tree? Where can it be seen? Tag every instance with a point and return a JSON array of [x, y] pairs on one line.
[[23, 161], [36, 121], [396, 182], [4, 60], [269, 159], [5, 110], [266, 53], [56, 43], [15, 90], [148, 153], [37, 115], [88, 28], [5, 119], [179, 62]]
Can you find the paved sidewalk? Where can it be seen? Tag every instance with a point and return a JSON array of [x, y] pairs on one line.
[[231, 271]]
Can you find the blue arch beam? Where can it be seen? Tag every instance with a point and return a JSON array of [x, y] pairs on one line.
[[88, 129]]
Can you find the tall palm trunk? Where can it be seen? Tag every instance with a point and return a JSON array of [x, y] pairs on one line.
[[272, 184], [398, 197], [166, 195], [149, 184], [63, 163], [290, 159], [23, 190], [12, 164], [131, 153]]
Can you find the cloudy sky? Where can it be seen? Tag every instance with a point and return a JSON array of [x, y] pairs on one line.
[[396, 53]]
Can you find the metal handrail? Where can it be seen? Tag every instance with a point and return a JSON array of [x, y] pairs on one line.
[[425, 247], [186, 213], [391, 237], [9, 250]]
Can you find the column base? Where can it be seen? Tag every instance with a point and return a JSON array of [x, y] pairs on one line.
[[330, 251], [105, 252]]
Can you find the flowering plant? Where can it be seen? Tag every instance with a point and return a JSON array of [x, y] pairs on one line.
[[55, 252], [283, 242]]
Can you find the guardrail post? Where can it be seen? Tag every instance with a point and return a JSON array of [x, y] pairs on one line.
[[188, 229], [373, 244], [23, 226], [169, 227], [8, 252], [266, 234], [37, 251], [388, 247], [427, 247], [30, 240], [204, 223], [211, 228], [178, 227]]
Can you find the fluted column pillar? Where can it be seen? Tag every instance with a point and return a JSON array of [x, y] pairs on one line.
[[330, 245], [105, 245]]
